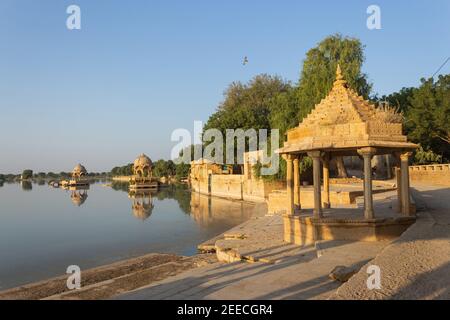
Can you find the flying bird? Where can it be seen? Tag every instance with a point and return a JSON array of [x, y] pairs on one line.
[[245, 61]]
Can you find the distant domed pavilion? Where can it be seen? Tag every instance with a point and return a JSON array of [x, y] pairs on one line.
[[344, 124], [79, 171], [78, 177], [142, 174], [143, 166]]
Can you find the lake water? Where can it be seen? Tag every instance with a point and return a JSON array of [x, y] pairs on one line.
[[43, 230]]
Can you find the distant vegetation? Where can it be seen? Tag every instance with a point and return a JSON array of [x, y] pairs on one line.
[[27, 174], [43, 176], [426, 112], [126, 170], [161, 168]]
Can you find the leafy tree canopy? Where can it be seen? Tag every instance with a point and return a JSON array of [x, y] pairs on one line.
[[428, 116], [319, 70]]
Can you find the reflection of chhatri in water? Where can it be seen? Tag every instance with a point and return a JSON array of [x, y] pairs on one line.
[[142, 203], [78, 195], [79, 174], [142, 177]]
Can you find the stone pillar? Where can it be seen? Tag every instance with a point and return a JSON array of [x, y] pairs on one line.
[[326, 181], [367, 154], [404, 165], [289, 184], [398, 179], [297, 205], [315, 155]]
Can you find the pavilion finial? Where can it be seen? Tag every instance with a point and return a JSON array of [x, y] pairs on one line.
[[339, 77], [339, 73]]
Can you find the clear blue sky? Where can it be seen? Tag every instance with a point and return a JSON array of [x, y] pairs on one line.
[[139, 69]]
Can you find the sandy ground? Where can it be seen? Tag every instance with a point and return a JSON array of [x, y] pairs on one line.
[[417, 265], [106, 281]]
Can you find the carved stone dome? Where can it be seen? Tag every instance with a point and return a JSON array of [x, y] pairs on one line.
[[143, 160], [79, 171], [142, 166]]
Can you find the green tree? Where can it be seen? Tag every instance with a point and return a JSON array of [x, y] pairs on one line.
[[182, 170], [284, 113], [41, 175], [426, 157], [319, 71], [171, 168], [428, 118], [398, 100], [247, 106], [27, 174], [161, 168]]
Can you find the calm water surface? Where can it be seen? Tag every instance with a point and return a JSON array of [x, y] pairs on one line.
[[43, 230]]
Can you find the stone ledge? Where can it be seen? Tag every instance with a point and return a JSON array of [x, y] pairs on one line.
[[303, 230]]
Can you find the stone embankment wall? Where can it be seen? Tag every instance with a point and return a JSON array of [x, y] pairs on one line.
[[235, 186], [121, 178], [277, 200], [436, 174]]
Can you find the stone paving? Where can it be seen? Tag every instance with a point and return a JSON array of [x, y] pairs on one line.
[[272, 268], [300, 276], [417, 265]]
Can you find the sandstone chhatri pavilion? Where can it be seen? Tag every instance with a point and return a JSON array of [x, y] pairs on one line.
[[78, 177], [344, 124], [142, 174]]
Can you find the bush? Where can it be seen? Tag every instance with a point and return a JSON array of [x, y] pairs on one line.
[[426, 157], [27, 174]]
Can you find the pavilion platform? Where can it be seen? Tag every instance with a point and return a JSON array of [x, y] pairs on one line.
[[144, 185], [347, 222], [74, 183]]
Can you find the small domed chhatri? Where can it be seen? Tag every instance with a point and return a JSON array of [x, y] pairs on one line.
[[79, 171], [143, 166], [142, 174], [78, 177]]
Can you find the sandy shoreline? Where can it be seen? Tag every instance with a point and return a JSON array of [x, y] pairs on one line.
[[108, 280]]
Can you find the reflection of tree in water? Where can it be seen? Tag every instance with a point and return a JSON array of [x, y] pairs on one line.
[[26, 185], [177, 192], [120, 186]]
